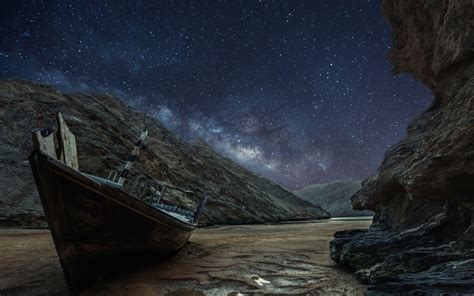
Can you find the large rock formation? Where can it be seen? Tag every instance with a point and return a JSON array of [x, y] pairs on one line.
[[334, 197], [105, 130], [422, 237]]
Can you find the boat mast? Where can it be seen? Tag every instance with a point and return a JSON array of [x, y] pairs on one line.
[[199, 209], [140, 144]]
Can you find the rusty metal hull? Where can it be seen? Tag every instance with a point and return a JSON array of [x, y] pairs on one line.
[[99, 230]]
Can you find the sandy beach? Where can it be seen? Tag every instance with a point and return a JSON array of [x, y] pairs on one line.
[[277, 259]]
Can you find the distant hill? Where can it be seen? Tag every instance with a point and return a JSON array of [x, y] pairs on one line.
[[106, 129], [334, 197]]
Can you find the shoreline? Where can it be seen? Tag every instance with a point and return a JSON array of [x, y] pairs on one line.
[[332, 219], [343, 218]]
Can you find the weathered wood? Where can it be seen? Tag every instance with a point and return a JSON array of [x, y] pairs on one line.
[[67, 144], [99, 230], [200, 208], [132, 157], [43, 139]]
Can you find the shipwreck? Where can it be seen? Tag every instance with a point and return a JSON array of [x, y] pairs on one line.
[[98, 227]]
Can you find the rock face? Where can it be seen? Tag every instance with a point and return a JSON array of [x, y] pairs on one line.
[[422, 237], [105, 130], [334, 197]]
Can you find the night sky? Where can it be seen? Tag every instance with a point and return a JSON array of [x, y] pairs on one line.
[[298, 91]]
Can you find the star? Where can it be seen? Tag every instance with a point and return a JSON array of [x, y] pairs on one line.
[[298, 91]]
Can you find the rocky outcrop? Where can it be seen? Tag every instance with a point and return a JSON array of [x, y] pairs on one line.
[[106, 130], [422, 237], [334, 197]]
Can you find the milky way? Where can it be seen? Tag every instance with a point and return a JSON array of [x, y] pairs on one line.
[[300, 92]]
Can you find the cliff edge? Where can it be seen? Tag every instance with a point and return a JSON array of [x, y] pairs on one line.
[[422, 237]]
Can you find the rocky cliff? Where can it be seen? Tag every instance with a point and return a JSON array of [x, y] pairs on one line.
[[422, 237], [106, 130], [334, 197]]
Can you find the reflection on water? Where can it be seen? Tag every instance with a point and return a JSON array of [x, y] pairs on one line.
[[369, 218]]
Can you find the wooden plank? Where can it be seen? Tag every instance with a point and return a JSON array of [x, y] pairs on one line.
[[43, 139], [67, 144], [94, 227]]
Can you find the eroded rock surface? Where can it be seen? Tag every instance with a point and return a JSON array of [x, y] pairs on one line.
[[106, 130], [422, 237]]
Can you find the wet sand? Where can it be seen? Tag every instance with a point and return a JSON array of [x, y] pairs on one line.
[[278, 259]]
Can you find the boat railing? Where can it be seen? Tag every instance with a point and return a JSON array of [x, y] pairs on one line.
[[141, 187], [153, 191]]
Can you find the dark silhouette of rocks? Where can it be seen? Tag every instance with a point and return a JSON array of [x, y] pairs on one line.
[[105, 130], [422, 237], [334, 197]]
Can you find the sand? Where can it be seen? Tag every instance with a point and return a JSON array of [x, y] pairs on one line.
[[277, 259]]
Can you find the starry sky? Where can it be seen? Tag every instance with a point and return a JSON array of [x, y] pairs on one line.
[[300, 92]]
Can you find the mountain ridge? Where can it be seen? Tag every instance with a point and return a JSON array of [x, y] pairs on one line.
[[105, 130], [334, 197]]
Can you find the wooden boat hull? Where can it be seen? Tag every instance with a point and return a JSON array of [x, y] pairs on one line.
[[98, 230]]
